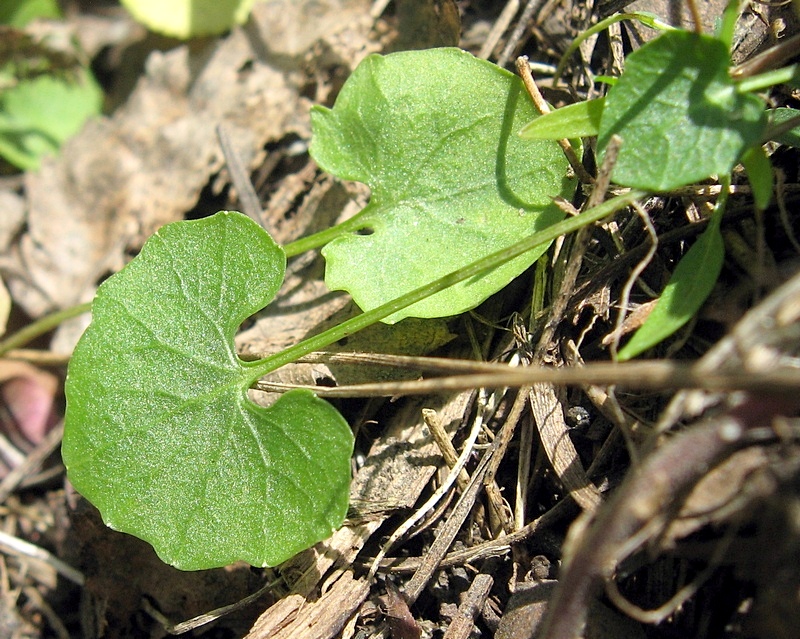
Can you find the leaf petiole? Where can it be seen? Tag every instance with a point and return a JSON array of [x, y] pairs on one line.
[[317, 240], [326, 338], [784, 75], [42, 326], [648, 19]]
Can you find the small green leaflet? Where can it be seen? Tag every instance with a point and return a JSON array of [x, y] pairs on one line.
[[579, 120], [434, 134], [160, 433], [679, 114], [689, 286]]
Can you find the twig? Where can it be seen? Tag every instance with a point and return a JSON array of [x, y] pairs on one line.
[[208, 617], [542, 107], [780, 198], [519, 30], [32, 462], [56, 624], [554, 435], [448, 532], [501, 443], [248, 197], [435, 498], [16, 546], [463, 623], [638, 375], [769, 59], [662, 479], [499, 28], [497, 547], [635, 273], [378, 7], [39, 357], [523, 473], [446, 447], [696, 17]]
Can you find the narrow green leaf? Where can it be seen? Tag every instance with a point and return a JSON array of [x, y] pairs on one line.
[[759, 173], [160, 433], [727, 24], [679, 114], [691, 283], [434, 135], [579, 120]]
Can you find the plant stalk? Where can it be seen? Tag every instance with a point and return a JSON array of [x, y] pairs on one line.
[[42, 326], [326, 338]]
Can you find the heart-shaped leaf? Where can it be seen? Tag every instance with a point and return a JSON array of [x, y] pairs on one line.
[[434, 134], [679, 114], [160, 433]]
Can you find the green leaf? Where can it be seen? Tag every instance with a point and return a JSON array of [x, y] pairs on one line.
[[160, 433], [189, 18], [579, 120], [726, 26], [759, 173], [679, 114], [18, 13], [434, 135], [38, 115], [690, 284], [781, 115]]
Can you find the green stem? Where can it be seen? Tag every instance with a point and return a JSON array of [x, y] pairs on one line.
[[323, 237], [326, 338], [722, 202], [762, 81], [648, 19], [42, 326], [727, 24]]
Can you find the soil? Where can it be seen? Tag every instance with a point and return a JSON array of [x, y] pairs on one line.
[[627, 513]]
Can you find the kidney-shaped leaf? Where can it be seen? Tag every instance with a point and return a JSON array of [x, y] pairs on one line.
[[160, 434], [679, 114], [434, 134]]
